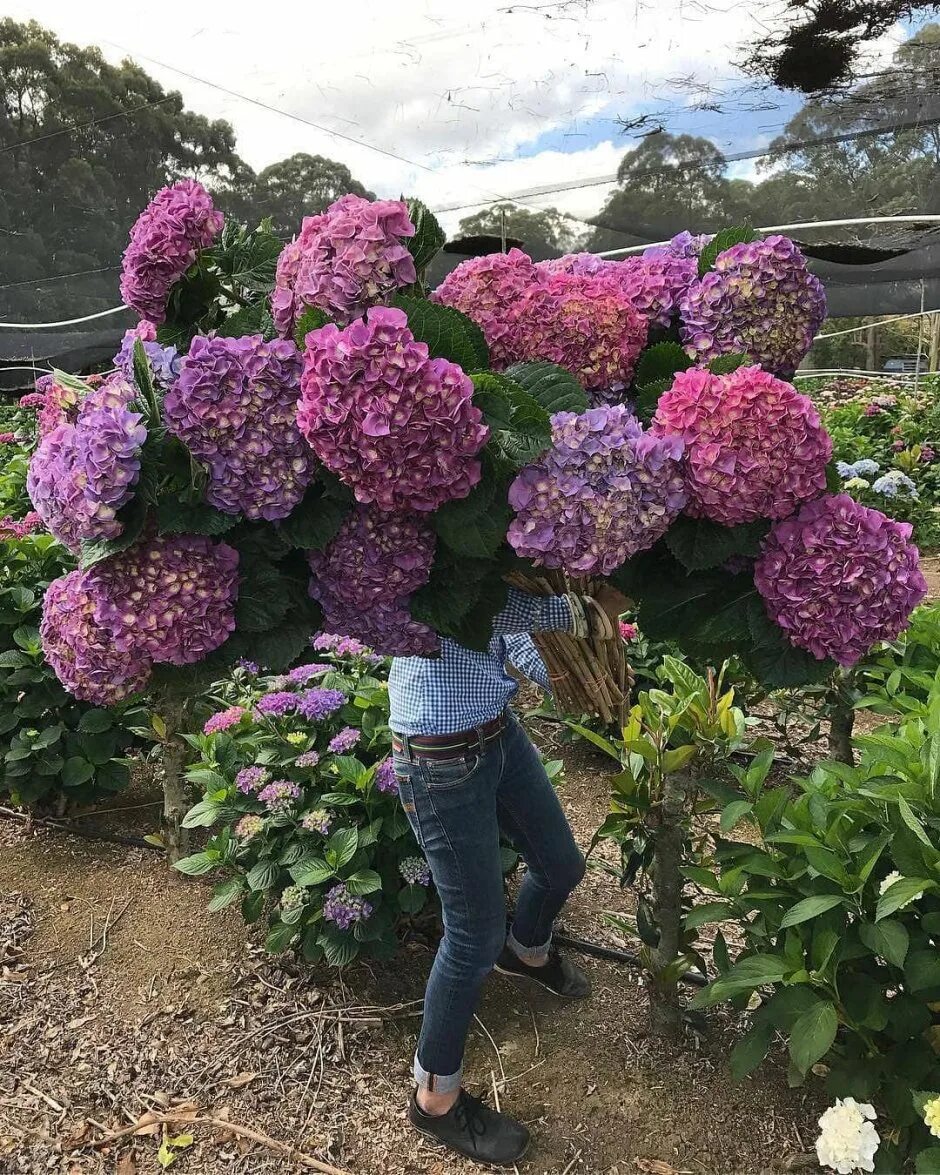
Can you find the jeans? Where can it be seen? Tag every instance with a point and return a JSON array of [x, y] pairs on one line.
[[457, 808]]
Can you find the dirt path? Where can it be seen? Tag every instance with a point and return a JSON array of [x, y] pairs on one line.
[[175, 1003]]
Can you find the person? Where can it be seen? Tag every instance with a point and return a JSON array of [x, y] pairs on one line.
[[466, 769]]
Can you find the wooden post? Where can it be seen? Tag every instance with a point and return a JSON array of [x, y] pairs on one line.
[[934, 341], [872, 356]]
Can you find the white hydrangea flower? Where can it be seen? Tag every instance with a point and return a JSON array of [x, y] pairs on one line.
[[892, 877], [932, 1116], [847, 1141]]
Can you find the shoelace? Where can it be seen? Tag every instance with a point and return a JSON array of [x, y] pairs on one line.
[[469, 1116]]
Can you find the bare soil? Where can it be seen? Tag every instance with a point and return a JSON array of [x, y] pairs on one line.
[[120, 994]]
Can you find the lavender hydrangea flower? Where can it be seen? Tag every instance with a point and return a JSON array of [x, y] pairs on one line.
[[838, 577], [279, 795], [605, 490], [307, 759], [251, 779], [759, 300], [345, 260], [81, 652], [684, 245], [344, 909], [755, 448], [343, 646], [277, 704], [415, 871], [224, 719], [251, 667], [178, 222], [172, 597], [894, 483], [83, 473], [398, 427], [249, 826], [347, 738], [317, 704], [164, 361], [234, 406], [385, 780], [366, 575], [319, 820], [862, 468], [303, 673]]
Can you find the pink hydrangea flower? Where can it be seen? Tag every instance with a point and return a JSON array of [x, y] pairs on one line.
[[165, 239], [490, 291], [348, 258], [755, 448], [7, 438], [628, 632], [224, 719], [838, 577], [12, 528], [397, 427], [653, 283]]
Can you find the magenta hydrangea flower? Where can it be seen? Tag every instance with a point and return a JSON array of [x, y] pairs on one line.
[[57, 404], [759, 300], [348, 258], [585, 323], [364, 579], [19, 528], [164, 361], [342, 646], [251, 779], [605, 490], [490, 291], [280, 795], [653, 284], [317, 704], [838, 577], [178, 222], [347, 738], [628, 632], [385, 780], [234, 406], [397, 427], [7, 438], [81, 651], [755, 448], [172, 596], [35, 399], [83, 473], [224, 719], [344, 909]]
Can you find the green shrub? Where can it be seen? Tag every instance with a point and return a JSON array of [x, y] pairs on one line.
[[344, 828]]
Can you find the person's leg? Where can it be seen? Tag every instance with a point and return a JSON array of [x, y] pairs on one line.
[[530, 812], [452, 808]]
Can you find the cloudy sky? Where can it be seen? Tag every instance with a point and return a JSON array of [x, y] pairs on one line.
[[456, 103]]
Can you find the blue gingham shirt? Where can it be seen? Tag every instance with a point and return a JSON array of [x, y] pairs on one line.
[[461, 689]]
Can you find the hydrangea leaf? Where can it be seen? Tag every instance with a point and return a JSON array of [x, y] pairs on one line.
[[812, 1036], [311, 319], [725, 364], [647, 397], [475, 525], [175, 516], [247, 259], [447, 333], [520, 428], [339, 948], [833, 478], [264, 596], [316, 521], [248, 320], [721, 241], [429, 237], [700, 544], [552, 386], [661, 362], [133, 516]]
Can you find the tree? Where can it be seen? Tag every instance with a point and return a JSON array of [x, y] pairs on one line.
[[287, 191], [543, 232]]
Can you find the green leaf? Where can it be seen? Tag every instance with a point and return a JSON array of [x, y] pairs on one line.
[[133, 517], [646, 398], [810, 908], [922, 970], [750, 1050], [725, 364], [899, 894], [177, 517], [700, 544], [428, 238], [734, 812], [143, 378], [927, 1162], [552, 386], [707, 912], [311, 319], [412, 898], [746, 975], [341, 847], [447, 333], [311, 872], [364, 881], [202, 815], [247, 320], [887, 938], [833, 478], [279, 938], [264, 596], [774, 661], [723, 240], [912, 822], [476, 525], [262, 875], [95, 721], [520, 428], [225, 893], [315, 521], [253, 906], [661, 362], [339, 949], [812, 1036], [76, 770], [196, 864]]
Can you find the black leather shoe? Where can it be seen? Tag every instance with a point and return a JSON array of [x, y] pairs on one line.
[[472, 1129], [559, 975]]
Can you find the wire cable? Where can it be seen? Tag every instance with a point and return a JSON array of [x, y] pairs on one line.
[[64, 322], [78, 126]]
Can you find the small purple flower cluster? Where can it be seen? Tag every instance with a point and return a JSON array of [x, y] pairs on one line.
[[234, 406], [343, 646], [19, 528], [178, 222], [251, 779], [415, 871], [317, 704], [399, 428], [345, 260], [280, 795], [347, 738], [385, 780], [83, 473], [164, 361], [303, 673], [307, 759], [605, 490], [277, 704], [224, 719], [344, 909], [319, 820]]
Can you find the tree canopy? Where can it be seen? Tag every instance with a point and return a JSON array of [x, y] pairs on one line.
[[543, 232]]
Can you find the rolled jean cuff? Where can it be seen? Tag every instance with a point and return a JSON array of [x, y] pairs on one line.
[[527, 954], [434, 1082]]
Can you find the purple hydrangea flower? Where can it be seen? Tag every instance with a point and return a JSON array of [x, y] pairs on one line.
[[755, 448], [317, 704], [224, 719], [249, 826], [172, 597], [280, 795], [250, 779], [838, 577], [164, 361], [684, 245], [366, 575], [319, 820], [342, 646], [347, 738], [303, 673], [399, 428], [82, 652], [276, 705], [759, 300], [605, 490], [234, 406], [178, 222], [307, 759], [385, 780], [415, 871], [83, 473], [251, 667], [345, 260], [344, 909]]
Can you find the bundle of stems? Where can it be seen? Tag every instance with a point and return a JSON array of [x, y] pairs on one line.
[[588, 675]]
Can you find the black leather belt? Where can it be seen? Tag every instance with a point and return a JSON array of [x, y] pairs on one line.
[[449, 746]]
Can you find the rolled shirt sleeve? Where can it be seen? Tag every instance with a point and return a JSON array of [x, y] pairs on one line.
[[521, 652], [524, 613]]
